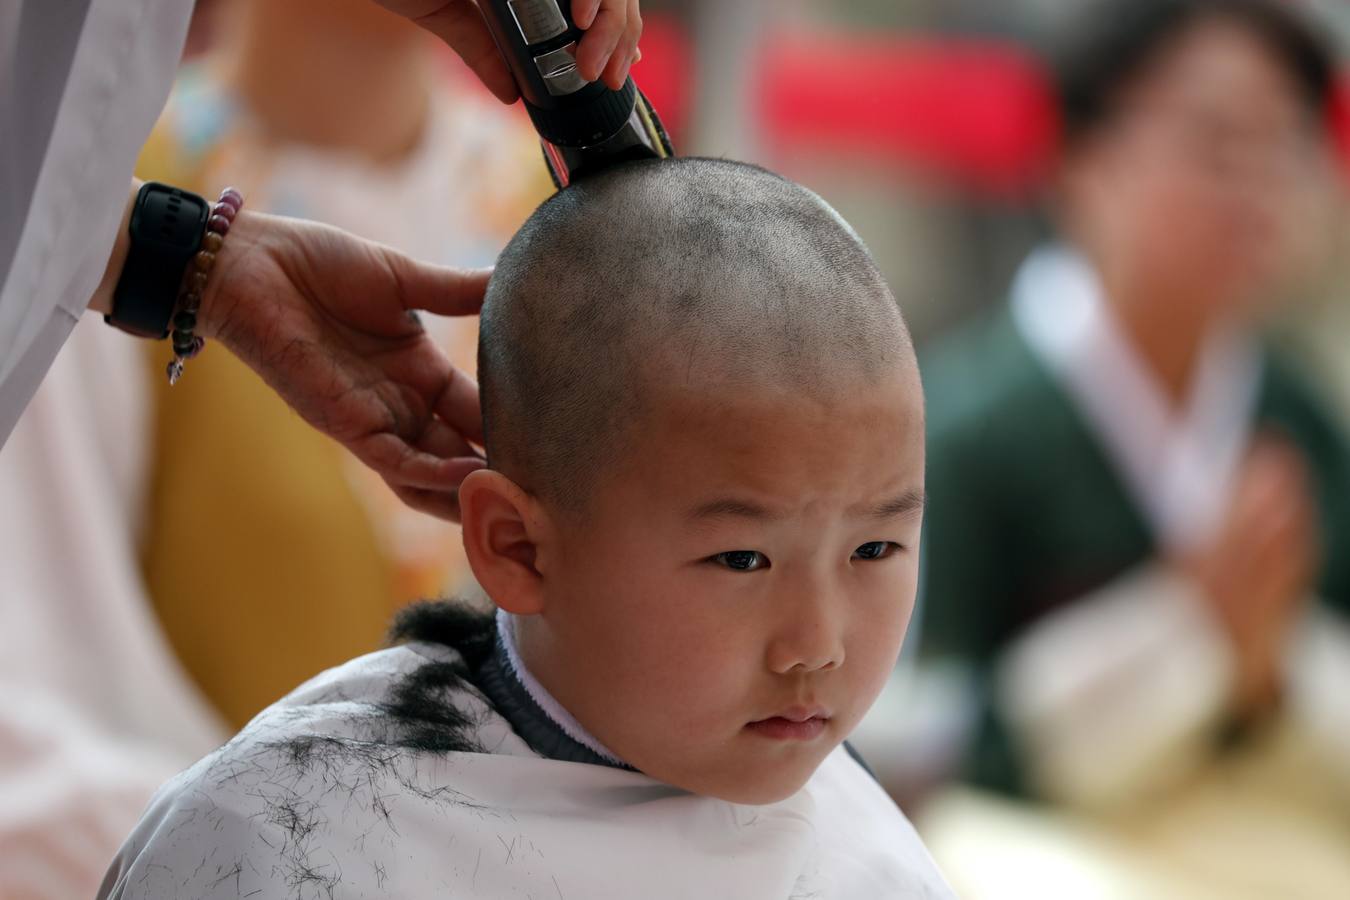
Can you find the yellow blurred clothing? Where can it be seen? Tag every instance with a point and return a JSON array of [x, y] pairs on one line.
[[270, 553]]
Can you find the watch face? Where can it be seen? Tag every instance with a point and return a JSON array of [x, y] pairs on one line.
[[169, 220]]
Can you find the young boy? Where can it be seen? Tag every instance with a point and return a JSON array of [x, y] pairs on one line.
[[700, 528]]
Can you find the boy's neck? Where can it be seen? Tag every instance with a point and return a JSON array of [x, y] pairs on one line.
[[540, 695]]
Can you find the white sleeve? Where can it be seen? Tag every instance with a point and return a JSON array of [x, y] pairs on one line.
[[1319, 675], [87, 80], [95, 710], [1118, 694]]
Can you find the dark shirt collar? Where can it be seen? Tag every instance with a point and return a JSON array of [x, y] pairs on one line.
[[498, 680]]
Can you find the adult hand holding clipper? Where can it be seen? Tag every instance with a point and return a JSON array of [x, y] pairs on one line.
[[586, 124], [605, 52], [74, 210]]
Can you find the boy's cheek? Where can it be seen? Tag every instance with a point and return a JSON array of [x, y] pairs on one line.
[[878, 634]]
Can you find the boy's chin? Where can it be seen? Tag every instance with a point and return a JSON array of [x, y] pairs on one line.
[[766, 795], [765, 788], [753, 773]]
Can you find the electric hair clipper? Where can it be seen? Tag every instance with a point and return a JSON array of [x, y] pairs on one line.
[[584, 126]]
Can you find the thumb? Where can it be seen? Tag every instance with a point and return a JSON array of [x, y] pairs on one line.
[[460, 24], [440, 290]]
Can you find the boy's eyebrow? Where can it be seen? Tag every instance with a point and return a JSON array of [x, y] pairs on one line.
[[908, 503], [730, 508], [905, 504]]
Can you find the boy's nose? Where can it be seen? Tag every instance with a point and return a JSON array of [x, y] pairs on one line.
[[823, 663], [809, 637]]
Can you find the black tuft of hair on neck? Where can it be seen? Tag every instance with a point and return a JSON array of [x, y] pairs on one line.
[[454, 623]]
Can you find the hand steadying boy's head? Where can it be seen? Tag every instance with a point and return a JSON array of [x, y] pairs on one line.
[[705, 431]]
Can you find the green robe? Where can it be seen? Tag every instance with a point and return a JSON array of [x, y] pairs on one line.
[[1027, 514]]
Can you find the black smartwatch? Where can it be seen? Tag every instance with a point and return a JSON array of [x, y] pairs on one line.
[[167, 225]]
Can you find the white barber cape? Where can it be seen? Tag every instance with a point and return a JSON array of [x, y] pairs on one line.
[[337, 791], [81, 86]]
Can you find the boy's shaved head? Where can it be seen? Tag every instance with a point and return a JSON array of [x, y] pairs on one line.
[[704, 426], [672, 273]]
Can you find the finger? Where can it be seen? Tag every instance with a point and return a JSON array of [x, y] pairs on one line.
[[453, 473], [1262, 512], [635, 26], [616, 72], [442, 290], [445, 442], [583, 12], [441, 504], [460, 24], [1285, 564], [460, 406], [399, 463], [1276, 463], [602, 38], [1281, 517], [1275, 523]]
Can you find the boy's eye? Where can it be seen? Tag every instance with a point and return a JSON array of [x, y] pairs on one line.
[[875, 550], [742, 560]]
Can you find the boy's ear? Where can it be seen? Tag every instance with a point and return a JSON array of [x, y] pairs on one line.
[[502, 526]]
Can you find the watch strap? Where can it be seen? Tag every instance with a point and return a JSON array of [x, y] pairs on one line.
[[167, 225]]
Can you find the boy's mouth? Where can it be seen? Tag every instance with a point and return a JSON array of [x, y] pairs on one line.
[[798, 723]]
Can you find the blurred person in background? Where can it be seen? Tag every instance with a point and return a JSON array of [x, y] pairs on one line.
[[1138, 536], [215, 524], [382, 140]]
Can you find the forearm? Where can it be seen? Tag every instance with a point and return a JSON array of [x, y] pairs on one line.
[[1120, 692], [102, 300]]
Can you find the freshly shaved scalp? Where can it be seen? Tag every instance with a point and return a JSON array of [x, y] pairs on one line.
[[684, 273]]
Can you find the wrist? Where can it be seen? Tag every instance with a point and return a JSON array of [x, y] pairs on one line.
[[168, 227], [102, 300], [219, 296]]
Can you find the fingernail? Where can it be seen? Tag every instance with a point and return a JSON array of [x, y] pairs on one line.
[[637, 54]]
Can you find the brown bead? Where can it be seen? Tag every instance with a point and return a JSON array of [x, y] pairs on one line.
[[204, 260], [190, 301], [212, 242], [197, 281]]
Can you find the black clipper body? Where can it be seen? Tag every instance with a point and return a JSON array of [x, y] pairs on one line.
[[584, 126]]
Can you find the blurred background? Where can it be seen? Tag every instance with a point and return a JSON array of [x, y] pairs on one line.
[[1119, 235]]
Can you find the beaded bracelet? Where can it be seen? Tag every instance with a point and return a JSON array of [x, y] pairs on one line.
[[186, 345]]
